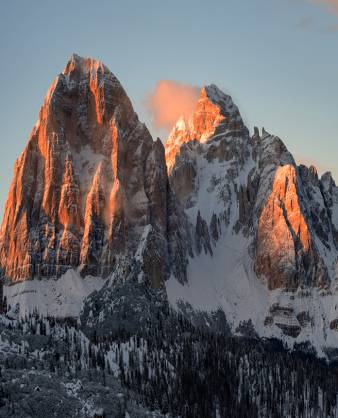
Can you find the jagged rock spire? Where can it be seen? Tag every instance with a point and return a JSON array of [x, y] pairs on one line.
[[89, 180], [214, 114]]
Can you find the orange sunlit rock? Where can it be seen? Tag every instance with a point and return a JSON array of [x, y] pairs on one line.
[[282, 231], [214, 111], [88, 182], [207, 116]]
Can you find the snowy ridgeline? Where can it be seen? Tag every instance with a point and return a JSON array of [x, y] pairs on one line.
[[222, 276]]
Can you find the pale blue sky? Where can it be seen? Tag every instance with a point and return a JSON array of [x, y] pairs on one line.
[[277, 58]]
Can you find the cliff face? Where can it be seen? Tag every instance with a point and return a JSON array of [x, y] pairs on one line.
[[251, 186], [265, 229], [217, 218], [88, 185], [91, 191], [215, 114], [285, 252]]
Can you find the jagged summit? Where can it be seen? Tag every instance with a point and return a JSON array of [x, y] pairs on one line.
[[218, 97], [215, 115], [213, 109], [327, 178], [84, 64], [257, 218], [88, 183], [231, 214]]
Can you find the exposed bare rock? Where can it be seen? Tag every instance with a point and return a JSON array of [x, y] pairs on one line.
[[202, 236], [334, 324], [277, 220], [252, 184], [215, 133], [92, 191], [330, 194], [246, 202], [215, 115], [215, 228], [183, 178], [285, 253], [89, 182], [284, 318], [304, 318], [291, 330], [179, 238]]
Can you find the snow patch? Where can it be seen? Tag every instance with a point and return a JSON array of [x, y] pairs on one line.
[[49, 297], [226, 281]]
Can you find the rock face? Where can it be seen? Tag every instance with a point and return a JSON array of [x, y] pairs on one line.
[[90, 183], [252, 186], [229, 213], [209, 132], [330, 193], [215, 114], [285, 254], [259, 220]]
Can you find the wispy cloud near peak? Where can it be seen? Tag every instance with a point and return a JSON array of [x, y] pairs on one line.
[[169, 101]]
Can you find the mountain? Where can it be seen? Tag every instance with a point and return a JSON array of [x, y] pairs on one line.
[[265, 229], [216, 219], [90, 190], [196, 278]]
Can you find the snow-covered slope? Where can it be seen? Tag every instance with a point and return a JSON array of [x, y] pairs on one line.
[[63, 297], [227, 281], [264, 237]]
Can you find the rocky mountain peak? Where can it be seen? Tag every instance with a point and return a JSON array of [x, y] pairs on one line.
[[215, 115], [327, 180], [214, 108], [84, 65], [234, 216], [90, 181]]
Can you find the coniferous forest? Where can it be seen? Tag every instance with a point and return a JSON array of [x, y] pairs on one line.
[[169, 366]]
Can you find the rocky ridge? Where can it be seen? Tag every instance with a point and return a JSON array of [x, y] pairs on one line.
[[90, 187], [215, 219], [273, 221]]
